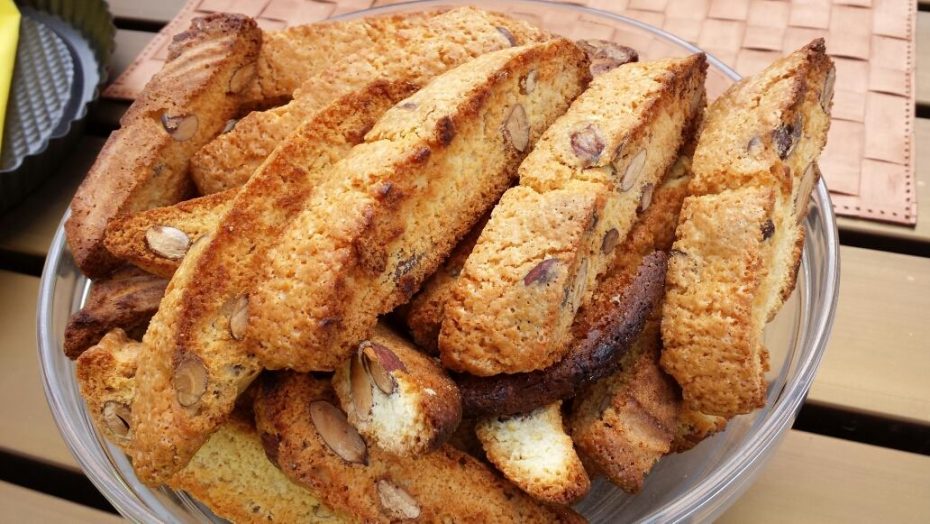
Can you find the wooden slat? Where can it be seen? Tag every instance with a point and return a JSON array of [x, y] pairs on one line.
[[157, 12], [26, 425], [877, 360], [128, 45], [816, 479], [24, 505], [920, 232]]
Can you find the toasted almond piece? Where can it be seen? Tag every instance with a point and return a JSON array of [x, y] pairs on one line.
[[182, 127], [754, 147], [507, 34], [804, 191], [587, 144], [169, 242], [528, 82], [117, 417], [517, 128], [333, 427], [397, 503], [361, 388], [190, 381], [611, 237], [633, 170], [242, 78], [646, 199], [379, 362], [827, 94], [239, 318], [541, 273]]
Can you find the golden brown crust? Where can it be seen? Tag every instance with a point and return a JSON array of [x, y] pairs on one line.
[[234, 478], [762, 134], [626, 422], [711, 333], [196, 327], [127, 299], [534, 452], [550, 239], [403, 48], [421, 406], [369, 239], [444, 484], [144, 164], [126, 236]]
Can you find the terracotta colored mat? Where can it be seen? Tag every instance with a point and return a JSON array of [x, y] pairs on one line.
[[869, 162]]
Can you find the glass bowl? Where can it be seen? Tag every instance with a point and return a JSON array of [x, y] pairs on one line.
[[696, 485]]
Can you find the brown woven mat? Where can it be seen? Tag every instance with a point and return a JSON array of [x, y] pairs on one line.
[[868, 163]]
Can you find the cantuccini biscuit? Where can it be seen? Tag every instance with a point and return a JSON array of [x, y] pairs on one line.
[[311, 440], [106, 375], [625, 423], [397, 398], [125, 299], [196, 362], [396, 206], [711, 332], [512, 308], [415, 51], [185, 105], [767, 131], [535, 453], [234, 478], [157, 239], [292, 56], [758, 148]]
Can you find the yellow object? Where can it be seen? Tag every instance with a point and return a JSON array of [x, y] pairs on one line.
[[9, 35]]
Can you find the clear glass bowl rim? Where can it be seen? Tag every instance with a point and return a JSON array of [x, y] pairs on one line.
[[736, 468]]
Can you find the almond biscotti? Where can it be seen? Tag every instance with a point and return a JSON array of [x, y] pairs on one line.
[[537, 260], [758, 148], [196, 362], [309, 438], [624, 424], [232, 475], [291, 56], [396, 206], [157, 239], [185, 105], [398, 398], [711, 328], [414, 51], [535, 453], [767, 131], [125, 299], [106, 375]]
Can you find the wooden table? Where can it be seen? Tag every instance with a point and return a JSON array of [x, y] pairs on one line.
[[858, 452]]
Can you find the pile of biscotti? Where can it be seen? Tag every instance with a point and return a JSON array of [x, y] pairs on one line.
[[441, 266]]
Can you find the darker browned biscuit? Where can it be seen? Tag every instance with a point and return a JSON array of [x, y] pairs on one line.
[[605, 333], [127, 299]]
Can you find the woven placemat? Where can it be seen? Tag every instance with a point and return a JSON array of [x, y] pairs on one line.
[[869, 161]]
